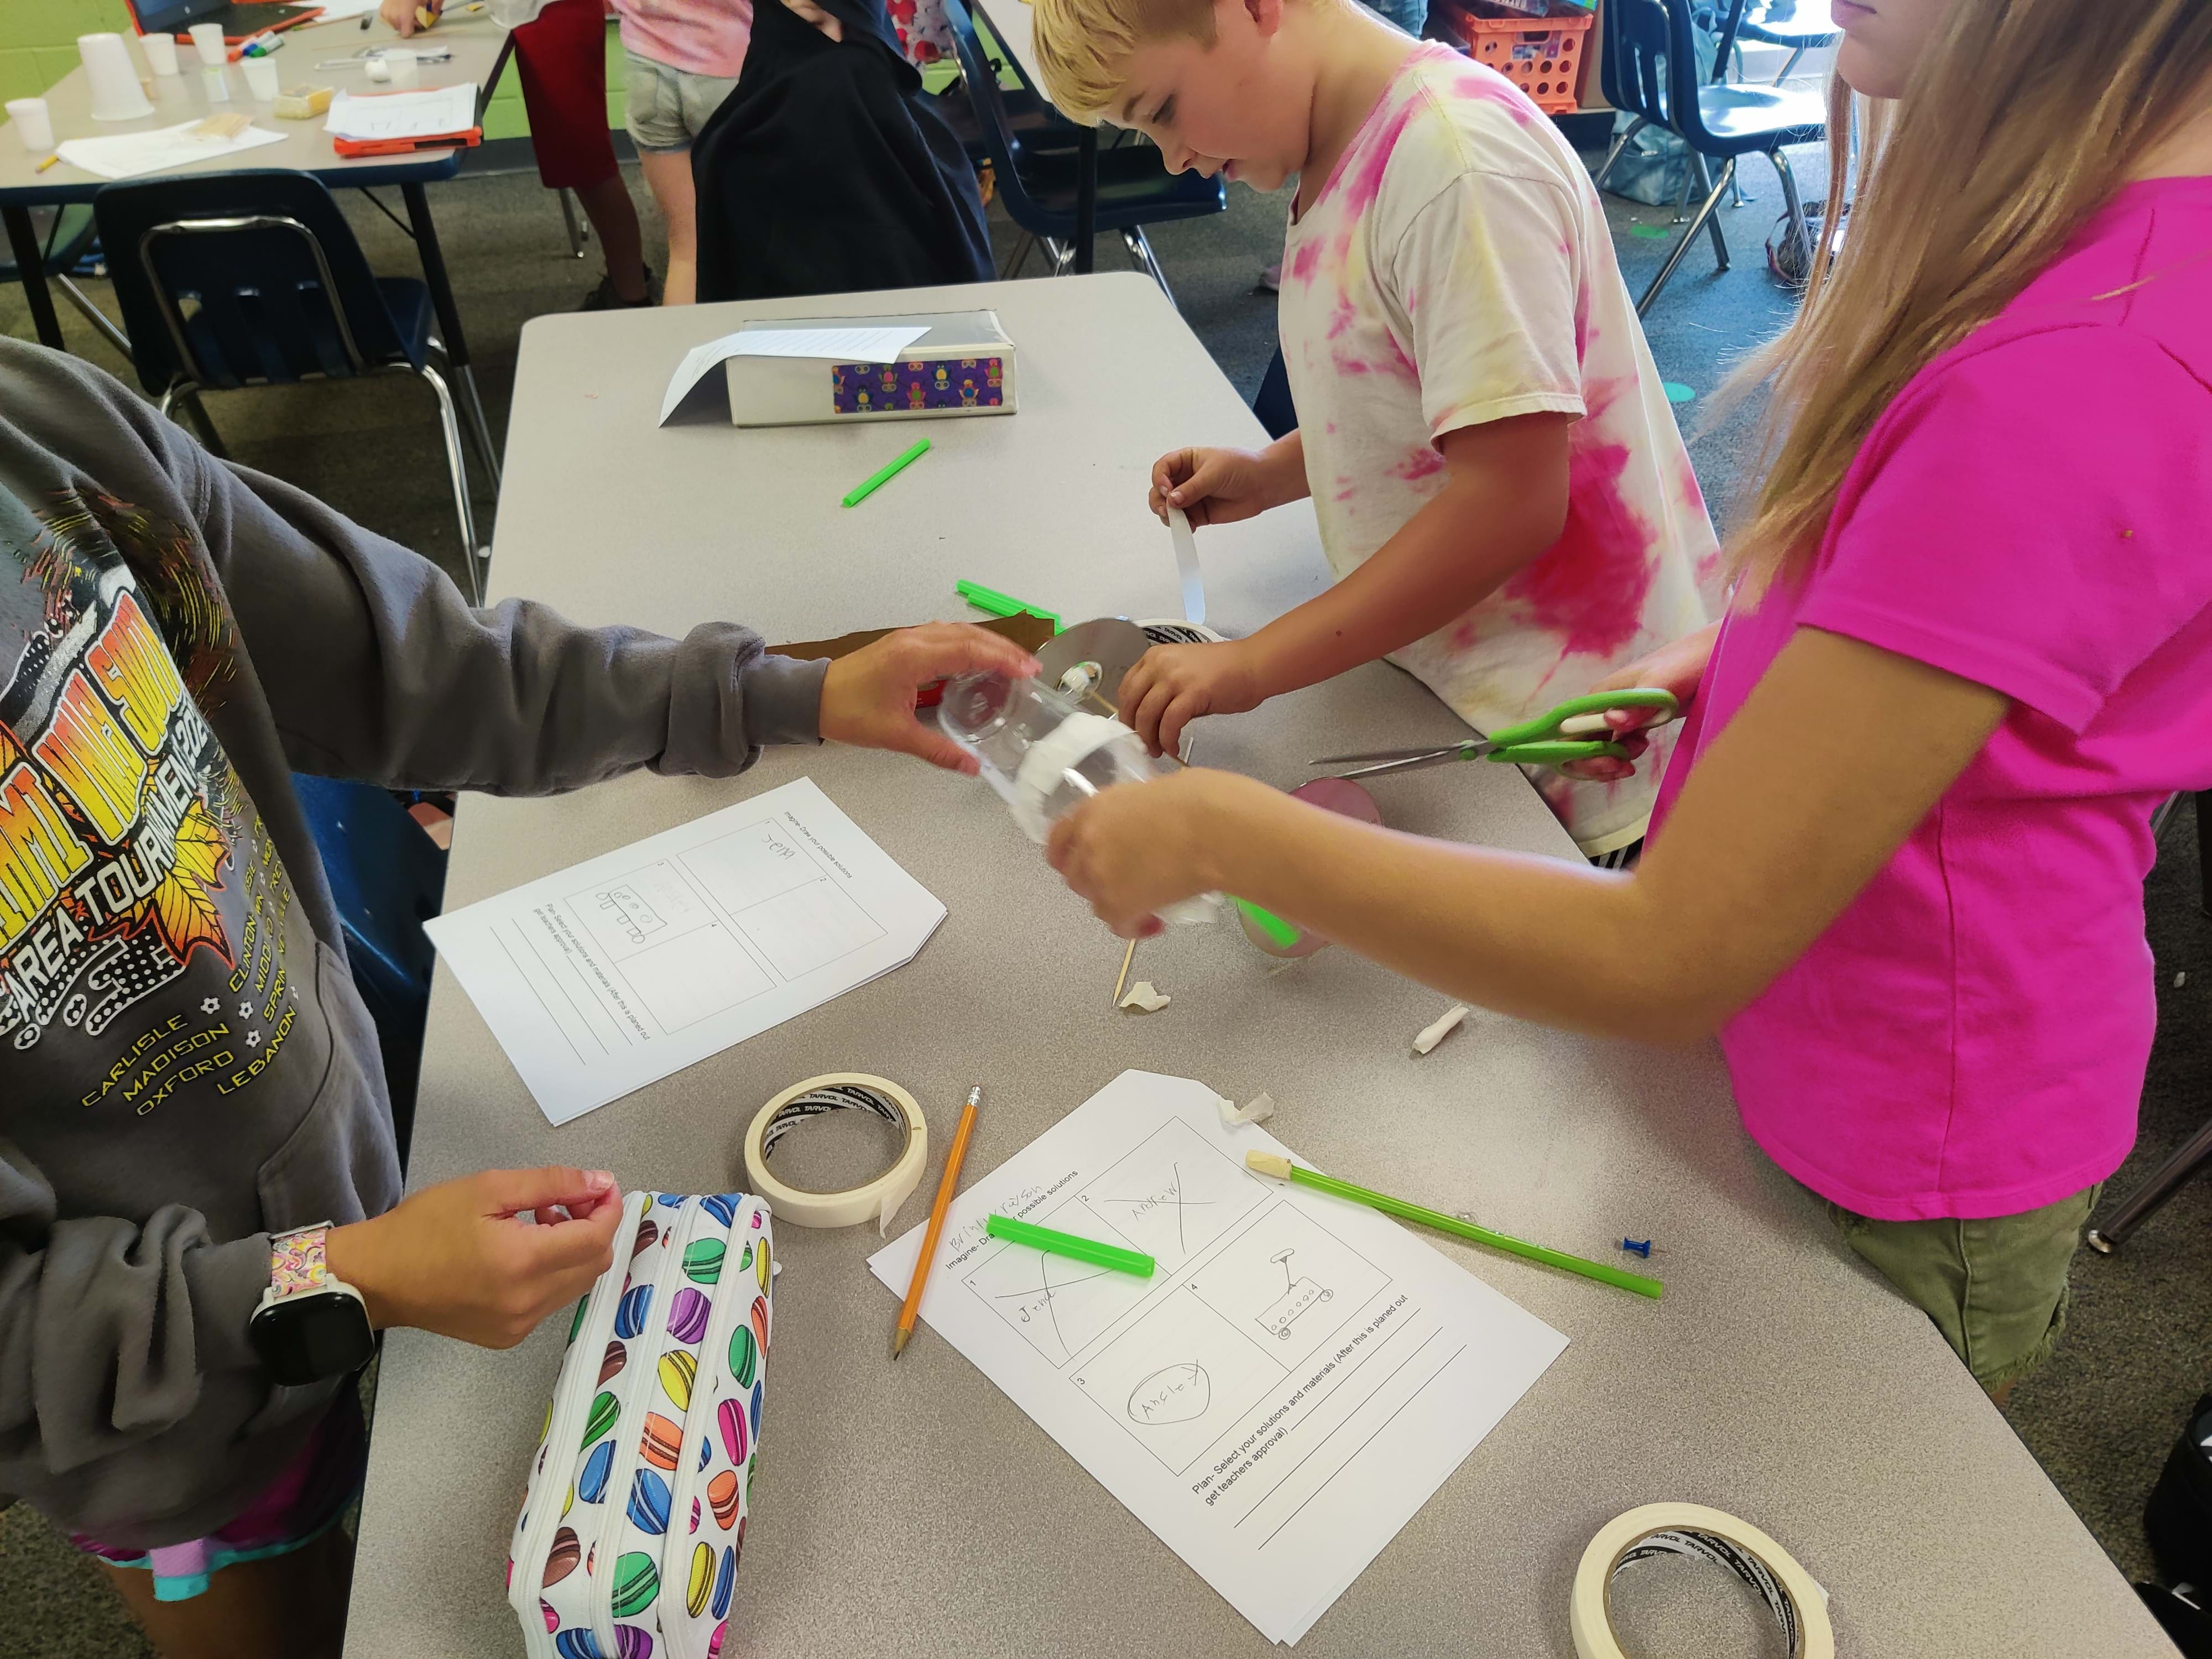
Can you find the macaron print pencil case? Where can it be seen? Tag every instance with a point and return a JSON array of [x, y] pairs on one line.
[[627, 1545]]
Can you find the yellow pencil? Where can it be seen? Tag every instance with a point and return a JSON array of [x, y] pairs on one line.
[[48, 162], [927, 1257]]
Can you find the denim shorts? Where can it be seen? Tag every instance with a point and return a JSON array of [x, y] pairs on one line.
[[667, 107], [1995, 1288]]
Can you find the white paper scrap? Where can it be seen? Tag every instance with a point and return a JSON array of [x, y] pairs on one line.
[[1280, 1397], [617, 971], [1185, 552], [842, 345], [1144, 998], [1258, 1109], [1446, 1025], [128, 154]]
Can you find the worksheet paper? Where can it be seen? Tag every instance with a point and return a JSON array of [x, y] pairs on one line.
[[620, 969], [129, 154], [1280, 1397], [841, 345], [435, 113]]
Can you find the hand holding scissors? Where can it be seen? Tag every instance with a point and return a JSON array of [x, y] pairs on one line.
[[1577, 730]]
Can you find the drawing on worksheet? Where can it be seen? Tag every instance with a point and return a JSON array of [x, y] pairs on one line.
[[620, 970], [1197, 1360], [1279, 1396]]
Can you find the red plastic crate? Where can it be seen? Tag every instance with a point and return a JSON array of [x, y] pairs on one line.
[[1545, 57]]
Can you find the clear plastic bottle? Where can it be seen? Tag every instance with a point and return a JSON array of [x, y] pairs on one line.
[[1045, 755]]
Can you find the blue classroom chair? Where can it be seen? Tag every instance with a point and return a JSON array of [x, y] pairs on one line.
[[255, 278], [1038, 183], [387, 878], [1650, 68]]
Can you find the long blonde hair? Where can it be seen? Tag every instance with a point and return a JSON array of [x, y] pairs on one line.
[[2022, 119]]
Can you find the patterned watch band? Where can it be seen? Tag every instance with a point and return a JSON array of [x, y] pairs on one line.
[[295, 1261]]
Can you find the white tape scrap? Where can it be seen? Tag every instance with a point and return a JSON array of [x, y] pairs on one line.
[[1144, 998], [1258, 1109], [1185, 552], [1432, 1035]]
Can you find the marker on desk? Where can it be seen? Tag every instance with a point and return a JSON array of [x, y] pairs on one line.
[[1070, 1245]]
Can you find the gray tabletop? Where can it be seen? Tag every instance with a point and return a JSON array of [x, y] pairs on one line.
[[917, 1510], [476, 44]]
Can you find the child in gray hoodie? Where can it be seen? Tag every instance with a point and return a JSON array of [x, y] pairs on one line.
[[186, 1073]]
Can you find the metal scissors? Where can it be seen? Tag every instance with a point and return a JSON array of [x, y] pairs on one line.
[[1574, 731]]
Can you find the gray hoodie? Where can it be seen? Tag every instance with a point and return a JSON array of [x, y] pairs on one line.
[[185, 1067]]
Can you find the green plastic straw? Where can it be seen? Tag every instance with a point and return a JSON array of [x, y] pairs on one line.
[[1071, 1245], [1604, 1273], [1003, 604], [860, 492]]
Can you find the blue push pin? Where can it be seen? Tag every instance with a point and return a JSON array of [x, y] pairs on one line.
[[1641, 1246]]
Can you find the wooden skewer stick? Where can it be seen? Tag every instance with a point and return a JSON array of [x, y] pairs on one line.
[[1122, 978]]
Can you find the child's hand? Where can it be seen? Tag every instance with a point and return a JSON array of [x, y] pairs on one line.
[[1172, 685], [399, 15], [1677, 668], [1135, 848], [1212, 486], [457, 1260], [868, 698]]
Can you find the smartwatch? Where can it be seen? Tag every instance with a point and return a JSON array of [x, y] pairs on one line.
[[309, 1326]]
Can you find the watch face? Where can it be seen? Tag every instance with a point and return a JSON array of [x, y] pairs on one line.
[[306, 1339]]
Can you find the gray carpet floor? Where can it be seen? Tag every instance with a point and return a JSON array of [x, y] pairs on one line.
[[2099, 1417]]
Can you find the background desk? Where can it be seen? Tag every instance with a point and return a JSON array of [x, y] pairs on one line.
[[480, 51], [914, 1509]]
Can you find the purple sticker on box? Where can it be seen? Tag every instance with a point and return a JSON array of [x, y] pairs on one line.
[[926, 383]]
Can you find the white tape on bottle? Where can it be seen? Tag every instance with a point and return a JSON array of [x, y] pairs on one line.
[[838, 1092], [1800, 1606]]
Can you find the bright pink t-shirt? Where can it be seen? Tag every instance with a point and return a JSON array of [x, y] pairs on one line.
[[2033, 513]]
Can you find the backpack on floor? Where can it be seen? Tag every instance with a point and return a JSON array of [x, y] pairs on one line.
[[628, 1542]]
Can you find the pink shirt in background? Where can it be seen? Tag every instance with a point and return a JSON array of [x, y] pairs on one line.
[[700, 37], [2033, 513]]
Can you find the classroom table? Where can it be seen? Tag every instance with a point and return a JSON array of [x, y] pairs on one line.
[[480, 50], [911, 1509], [1018, 36]]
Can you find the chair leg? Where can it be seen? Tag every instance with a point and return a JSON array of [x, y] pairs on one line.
[[2204, 851], [1597, 179], [1789, 66], [1690, 175], [93, 314], [576, 232], [186, 393], [472, 554], [2169, 1178], [1018, 256], [1675, 254], [1800, 231], [1062, 255], [1140, 250], [1713, 224], [479, 428]]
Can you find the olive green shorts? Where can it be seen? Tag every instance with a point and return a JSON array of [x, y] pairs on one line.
[[1995, 1288]]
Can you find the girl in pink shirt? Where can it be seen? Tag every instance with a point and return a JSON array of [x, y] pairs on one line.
[[1897, 863]]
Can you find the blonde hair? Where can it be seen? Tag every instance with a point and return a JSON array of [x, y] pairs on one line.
[[1083, 46], [2023, 117]]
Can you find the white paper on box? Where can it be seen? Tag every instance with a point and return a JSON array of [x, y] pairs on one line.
[[615, 972], [1296, 1379], [858, 345]]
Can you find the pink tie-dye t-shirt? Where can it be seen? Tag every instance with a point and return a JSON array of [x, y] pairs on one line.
[[1455, 269]]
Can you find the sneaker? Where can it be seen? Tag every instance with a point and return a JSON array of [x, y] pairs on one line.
[[604, 297], [1271, 279]]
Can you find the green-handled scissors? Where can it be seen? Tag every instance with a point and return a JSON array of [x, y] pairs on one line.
[[1569, 732]]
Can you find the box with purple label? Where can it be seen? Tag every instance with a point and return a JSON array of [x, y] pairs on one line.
[[960, 363]]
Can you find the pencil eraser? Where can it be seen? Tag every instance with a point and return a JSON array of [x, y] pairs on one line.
[[300, 103]]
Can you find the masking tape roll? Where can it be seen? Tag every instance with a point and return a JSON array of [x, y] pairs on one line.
[[1799, 1605], [835, 1091]]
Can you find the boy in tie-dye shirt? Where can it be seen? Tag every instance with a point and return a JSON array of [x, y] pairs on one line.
[[1502, 490]]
